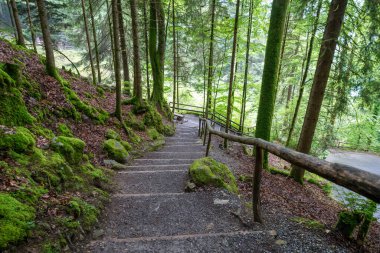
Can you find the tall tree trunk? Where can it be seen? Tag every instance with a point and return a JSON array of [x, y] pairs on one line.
[[124, 52], [232, 71], [210, 60], [88, 42], [326, 55], [137, 88], [12, 19], [305, 73], [95, 42], [146, 51], [271, 69], [245, 82], [111, 32], [20, 35], [116, 39], [31, 27], [50, 61], [177, 50], [283, 48], [174, 58], [157, 50]]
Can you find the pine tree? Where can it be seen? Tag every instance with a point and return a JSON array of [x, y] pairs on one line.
[[16, 18]]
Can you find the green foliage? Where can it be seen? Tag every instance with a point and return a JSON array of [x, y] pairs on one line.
[[70, 148], [111, 134], [64, 130], [85, 213], [206, 171], [132, 121], [153, 134], [16, 219], [153, 118], [308, 222], [18, 139], [116, 150]]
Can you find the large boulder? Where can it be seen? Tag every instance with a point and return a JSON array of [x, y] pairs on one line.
[[70, 148], [116, 150]]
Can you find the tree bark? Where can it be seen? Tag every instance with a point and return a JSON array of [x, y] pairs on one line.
[[210, 60], [326, 55], [232, 71], [124, 52], [271, 69], [95, 42], [116, 40], [146, 51], [245, 82], [31, 27], [137, 89], [305, 73], [88, 42], [174, 59], [111, 32], [16, 18], [50, 61], [157, 50]]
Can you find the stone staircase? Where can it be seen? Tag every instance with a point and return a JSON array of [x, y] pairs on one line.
[[151, 212]]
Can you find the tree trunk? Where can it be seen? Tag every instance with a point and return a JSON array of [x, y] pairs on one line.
[[157, 50], [305, 73], [146, 51], [232, 71], [177, 50], [137, 89], [95, 42], [88, 42], [31, 27], [111, 32], [210, 60], [124, 52], [326, 55], [245, 82], [116, 40], [50, 61], [20, 35], [271, 69], [174, 59], [12, 19]]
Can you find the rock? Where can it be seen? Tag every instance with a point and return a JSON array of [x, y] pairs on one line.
[[221, 201], [280, 242], [111, 134], [97, 233], [190, 187], [114, 165], [116, 150], [210, 226], [70, 148], [273, 233]]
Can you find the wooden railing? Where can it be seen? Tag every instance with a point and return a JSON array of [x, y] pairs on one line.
[[362, 182]]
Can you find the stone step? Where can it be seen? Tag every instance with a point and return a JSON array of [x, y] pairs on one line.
[[167, 161], [239, 241], [180, 142], [164, 181], [181, 139], [174, 155], [169, 214], [183, 148], [155, 167]]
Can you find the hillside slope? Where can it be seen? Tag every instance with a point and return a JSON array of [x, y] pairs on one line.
[[54, 138]]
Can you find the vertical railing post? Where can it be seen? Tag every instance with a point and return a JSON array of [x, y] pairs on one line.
[[205, 133], [208, 144], [199, 128], [256, 199]]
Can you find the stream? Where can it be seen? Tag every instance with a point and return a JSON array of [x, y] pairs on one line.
[[364, 161]]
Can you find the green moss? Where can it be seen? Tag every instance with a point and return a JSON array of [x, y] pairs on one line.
[[153, 118], [18, 139], [111, 134], [169, 130], [133, 122], [68, 222], [13, 111], [16, 219], [100, 91], [153, 134], [276, 171], [29, 194], [70, 148], [64, 130], [42, 131], [308, 222], [126, 145], [322, 183], [207, 171], [115, 150]]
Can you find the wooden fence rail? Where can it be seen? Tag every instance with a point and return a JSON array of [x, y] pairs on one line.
[[362, 182]]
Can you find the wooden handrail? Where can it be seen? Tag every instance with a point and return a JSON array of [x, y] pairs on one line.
[[362, 182]]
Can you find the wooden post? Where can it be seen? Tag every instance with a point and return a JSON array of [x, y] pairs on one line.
[[256, 200], [199, 128], [205, 134], [208, 144]]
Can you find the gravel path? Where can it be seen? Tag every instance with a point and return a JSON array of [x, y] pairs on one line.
[[151, 212]]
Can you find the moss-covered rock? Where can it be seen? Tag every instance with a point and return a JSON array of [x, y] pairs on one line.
[[126, 145], [111, 134], [153, 118], [70, 148], [116, 150], [207, 171], [132, 121], [16, 220], [154, 134], [65, 130], [85, 213], [18, 139]]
